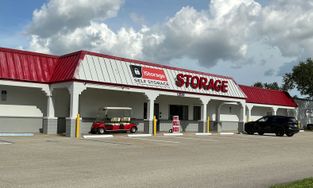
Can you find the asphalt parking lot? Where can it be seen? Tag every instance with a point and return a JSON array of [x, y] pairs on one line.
[[182, 161]]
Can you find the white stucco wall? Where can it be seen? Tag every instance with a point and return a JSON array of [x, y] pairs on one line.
[[61, 100], [258, 112], [92, 99], [23, 102], [230, 112], [166, 101], [282, 112], [212, 109]]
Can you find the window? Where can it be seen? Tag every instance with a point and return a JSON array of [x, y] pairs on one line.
[[263, 119], [3, 95], [179, 110], [197, 113]]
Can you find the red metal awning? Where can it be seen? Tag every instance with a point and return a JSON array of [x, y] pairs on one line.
[[267, 96]]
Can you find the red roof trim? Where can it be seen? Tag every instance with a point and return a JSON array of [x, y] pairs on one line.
[[258, 88], [66, 66], [27, 81], [24, 52], [26, 66], [267, 96]]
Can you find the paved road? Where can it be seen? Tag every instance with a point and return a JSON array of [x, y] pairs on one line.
[[188, 161]]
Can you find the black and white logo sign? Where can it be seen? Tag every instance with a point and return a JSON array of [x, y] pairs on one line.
[[136, 71]]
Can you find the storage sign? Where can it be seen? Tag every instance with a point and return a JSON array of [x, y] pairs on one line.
[[123, 72], [149, 76]]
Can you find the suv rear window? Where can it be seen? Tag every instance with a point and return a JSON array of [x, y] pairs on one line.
[[292, 120]]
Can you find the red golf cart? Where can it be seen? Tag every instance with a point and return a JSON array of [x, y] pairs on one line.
[[113, 119]]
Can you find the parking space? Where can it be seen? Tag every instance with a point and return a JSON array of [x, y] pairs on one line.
[[181, 161], [159, 140], [191, 139], [186, 139]]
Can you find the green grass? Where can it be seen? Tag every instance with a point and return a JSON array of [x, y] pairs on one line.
[[305, 183]]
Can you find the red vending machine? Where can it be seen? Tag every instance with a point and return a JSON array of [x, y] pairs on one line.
[[175, 125]]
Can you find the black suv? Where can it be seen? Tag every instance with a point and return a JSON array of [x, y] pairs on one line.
[[279, 125]]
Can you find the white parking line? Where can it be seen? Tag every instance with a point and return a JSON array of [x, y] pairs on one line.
[[173, 134], [16, 134], [97, 136], [225, 133], [139, 135], [155, 140], [4, 143], [189, 138], [203, 134]]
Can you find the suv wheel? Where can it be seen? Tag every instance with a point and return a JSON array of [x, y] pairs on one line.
[[250, 132], [279, 132], [133, 129], [260, 132], [289, 134], [101, 130]]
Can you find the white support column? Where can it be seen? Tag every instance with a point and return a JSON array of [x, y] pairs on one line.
[[249, 110], [50, 107], [148, 128], [274, 111], [75, 89], [204, 114], [74, 104], [50, 122], [242, 118], [218, 113], [243, 112], [296, 113]]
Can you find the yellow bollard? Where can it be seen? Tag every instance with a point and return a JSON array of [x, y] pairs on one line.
[[154, 125], [78, 126], [208, 124]]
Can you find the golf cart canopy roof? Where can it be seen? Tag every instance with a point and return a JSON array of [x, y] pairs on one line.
[[115, 108]]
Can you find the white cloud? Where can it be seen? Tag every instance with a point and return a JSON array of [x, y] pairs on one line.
[[288, 25], [208, 39], [65, 15], [96, 37], [138, 19], [40, 45], [233, 32], [221, 8]]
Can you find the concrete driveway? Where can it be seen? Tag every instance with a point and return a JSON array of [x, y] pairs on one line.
[[185, 161]]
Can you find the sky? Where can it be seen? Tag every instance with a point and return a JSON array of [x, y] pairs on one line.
[[249, 40]]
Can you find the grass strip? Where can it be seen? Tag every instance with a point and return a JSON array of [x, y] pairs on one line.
[[305, 183]]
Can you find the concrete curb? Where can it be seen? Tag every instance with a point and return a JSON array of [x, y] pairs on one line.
[[5, 142], [97, 136], [301, 131], [173, 134], [203, 134], [139, 135], [226, 133], [16, 134]]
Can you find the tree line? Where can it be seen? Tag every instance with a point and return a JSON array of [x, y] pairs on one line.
[[301, 78]]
